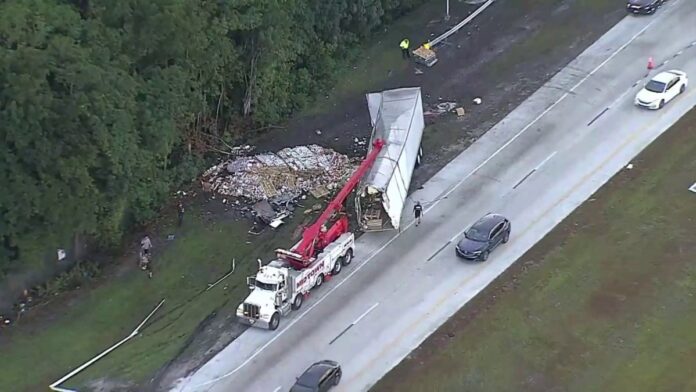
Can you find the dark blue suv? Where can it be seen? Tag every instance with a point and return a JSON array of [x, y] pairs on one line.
[[483, 237]]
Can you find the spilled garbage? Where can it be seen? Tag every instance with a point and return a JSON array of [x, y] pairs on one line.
[[279, 177], [268, 185]]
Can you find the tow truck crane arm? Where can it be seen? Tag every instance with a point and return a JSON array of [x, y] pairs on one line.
[[314, 237]]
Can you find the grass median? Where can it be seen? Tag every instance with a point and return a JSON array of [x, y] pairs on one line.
[[606, 302]]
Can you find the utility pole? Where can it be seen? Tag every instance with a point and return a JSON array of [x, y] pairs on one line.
[[447, 15]]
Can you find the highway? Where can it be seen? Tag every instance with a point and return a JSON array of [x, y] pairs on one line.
[[535, 166]]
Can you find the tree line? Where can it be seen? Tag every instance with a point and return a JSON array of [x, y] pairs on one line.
[[105, 105]]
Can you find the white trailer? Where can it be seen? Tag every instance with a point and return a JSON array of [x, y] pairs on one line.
[[397, 118], [278, 288]]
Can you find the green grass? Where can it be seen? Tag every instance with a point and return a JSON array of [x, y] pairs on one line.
[[609, 306], [100, 316]]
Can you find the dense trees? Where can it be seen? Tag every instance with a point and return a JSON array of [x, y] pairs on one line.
[[106, 104]]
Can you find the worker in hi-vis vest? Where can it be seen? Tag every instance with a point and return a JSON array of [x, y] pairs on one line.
[[404, 48]]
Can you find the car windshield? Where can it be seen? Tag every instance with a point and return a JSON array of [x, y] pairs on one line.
[[476, 235], [655, 86]]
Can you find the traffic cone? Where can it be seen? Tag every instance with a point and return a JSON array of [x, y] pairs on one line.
[[651, 64]]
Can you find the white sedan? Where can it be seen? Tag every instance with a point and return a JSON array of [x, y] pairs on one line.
[[662, 89]]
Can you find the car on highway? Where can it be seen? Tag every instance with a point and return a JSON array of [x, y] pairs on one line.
[[643, 6], [661, 89], [319, 377], [483, 237]]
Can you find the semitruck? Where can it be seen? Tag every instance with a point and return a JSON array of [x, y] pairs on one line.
[[397, 118], [278, 287]]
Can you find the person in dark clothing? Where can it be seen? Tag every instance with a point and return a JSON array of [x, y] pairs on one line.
[[418, 212], [181, 213]]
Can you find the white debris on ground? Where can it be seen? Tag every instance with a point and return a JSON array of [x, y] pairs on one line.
[[286, 174], [440, 108]]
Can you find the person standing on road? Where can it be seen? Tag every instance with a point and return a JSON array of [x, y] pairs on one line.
[[418, 212], [180, 208], [404, 48]]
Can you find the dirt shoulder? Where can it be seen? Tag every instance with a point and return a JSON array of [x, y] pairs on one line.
[[616, 316]]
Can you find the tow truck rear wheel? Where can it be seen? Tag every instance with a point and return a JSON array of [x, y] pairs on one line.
[[419, 157], [338, 265], [297, 303], [319, 281], [275, 322], [347, 258]]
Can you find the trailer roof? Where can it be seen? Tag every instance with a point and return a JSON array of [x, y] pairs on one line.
[[392, 114]]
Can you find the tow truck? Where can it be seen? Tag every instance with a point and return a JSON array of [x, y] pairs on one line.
[[283, 284]]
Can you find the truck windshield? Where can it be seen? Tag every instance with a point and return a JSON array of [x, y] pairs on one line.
[[266, 286]]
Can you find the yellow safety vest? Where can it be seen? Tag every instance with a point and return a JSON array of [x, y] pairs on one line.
[[404, 44]]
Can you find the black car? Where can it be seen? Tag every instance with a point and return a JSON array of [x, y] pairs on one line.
[[484, 236], [319, 377], [643, 6]]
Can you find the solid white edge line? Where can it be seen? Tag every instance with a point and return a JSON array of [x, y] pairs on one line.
[[368, 259]]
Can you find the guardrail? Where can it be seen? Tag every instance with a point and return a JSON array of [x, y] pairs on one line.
[[461, 24]]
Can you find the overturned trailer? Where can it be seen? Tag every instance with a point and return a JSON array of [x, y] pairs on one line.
[[397, 118]]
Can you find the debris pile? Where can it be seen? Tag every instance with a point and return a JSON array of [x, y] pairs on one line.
[[282, 176]]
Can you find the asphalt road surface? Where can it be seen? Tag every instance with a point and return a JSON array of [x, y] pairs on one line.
[[535, 167]]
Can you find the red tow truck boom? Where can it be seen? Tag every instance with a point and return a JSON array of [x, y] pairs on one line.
[[316, 237]]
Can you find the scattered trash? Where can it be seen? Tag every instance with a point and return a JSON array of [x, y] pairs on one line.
[[278, 221], [241, 150], [629, 166], [460, 112], [285, 175], [61, 254], [440, 108], [318, 132], [264, 211], [319, 192], [170, 237], [418, 71], [477, 100], [692, 188]]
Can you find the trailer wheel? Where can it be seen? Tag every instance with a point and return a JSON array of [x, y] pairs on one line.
[[347, 258], [419, 157], [275, 322], [319, 281], [338, 265], [297, 303]]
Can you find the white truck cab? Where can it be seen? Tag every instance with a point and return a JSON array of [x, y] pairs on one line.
[[278, 288]]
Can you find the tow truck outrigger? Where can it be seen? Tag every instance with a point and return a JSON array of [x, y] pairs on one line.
[[281, 285]]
